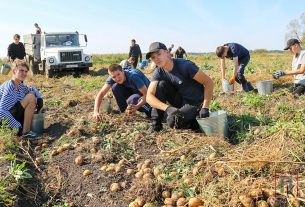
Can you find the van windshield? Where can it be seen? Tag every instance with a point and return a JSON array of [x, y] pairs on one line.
[[62, 40]]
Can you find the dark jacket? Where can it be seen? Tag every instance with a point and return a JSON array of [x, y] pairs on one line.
[[16, 51], [135, 52]]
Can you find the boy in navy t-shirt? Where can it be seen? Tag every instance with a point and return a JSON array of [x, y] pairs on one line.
[[179, 88], [129, 87], [240, 55]]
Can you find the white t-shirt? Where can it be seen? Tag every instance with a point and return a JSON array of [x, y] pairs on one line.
[[297, 61]]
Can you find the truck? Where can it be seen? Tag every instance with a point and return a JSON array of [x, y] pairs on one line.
[[56, 52]]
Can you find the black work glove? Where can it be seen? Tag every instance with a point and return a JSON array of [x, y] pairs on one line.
[[171, 110], [278, 74], [39, 104], [204, 112]]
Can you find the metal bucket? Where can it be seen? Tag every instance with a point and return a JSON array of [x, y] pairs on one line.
[[38, 123], [106, 106], [5, 69], [264, 87], [215, 125], [226, 86]]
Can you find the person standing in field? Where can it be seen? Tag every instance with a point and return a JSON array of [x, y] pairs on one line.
[[16, 49], [240, 56], [297, 66], [129, 87], [179, 89], [18, 102], [180, 52], [170, 48], [135, 52], [38, 29]]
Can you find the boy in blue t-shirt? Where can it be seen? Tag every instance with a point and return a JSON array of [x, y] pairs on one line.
[[241, 56], [129, 87], [178, 88]]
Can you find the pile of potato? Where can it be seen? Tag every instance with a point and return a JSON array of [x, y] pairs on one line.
[[178, 199]]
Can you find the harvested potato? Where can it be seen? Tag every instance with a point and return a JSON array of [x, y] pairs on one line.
[[157, 171], [110, 168], [138, 157], [86, 172], [181, 201], [139, 174], [181, 194], [148, 176], [246, 201], [188, 181], [60, 149], [267, 192], [173, 174], [212, 156], [67, 146], [54, 152], [118, 168], [175, 196], [37, 149], [139, 166], [147, 162], [103, 168], [256, 193], [195, 171], [38, 160], [147, 170], [130, 171], [183, 157], [133, 204], [115, 187], [195, 202], [79, 160], [166, 194], [262, 203], [93, 150], [169, 201], [95, 140], [121, 162], [45, 145], [141, 202], [201, 163]]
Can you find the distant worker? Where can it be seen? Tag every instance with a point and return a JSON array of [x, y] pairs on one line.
[[240, 56], [68, 41], [180, 52], [129, 87], [16, 49], [170, 48], [128, 63], [297, 66], [38, 29], [135, 52], [18, 102]]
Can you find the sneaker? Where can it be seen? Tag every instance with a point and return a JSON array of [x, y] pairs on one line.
[[154, 128], [29, 135]]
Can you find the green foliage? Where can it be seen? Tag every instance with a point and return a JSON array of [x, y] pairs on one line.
[[215, 105], [207, 66], [106, 60], [87, 85], [19, 172], [239, 127], [253, 100], [6, 142]]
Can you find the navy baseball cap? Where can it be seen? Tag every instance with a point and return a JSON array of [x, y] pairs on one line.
[[154, 47]]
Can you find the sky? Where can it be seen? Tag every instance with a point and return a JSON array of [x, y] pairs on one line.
[[195, 25]]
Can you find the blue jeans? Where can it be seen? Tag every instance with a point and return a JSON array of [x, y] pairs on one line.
[[125, 96], [240, 78]]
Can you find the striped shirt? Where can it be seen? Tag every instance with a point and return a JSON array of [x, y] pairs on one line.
[[9, 96]]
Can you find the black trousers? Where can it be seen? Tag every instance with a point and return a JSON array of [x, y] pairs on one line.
[[299, 89], [166, 92]]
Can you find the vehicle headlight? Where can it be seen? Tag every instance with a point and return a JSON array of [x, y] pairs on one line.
[[51, 60], [87, 58]]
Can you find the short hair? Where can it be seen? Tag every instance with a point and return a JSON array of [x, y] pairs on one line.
[[17, 62], [16, 36], [35, 24], [114, 67], [133, 40], [220, 50]]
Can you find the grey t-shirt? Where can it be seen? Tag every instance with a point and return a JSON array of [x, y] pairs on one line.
[[297, 61]]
